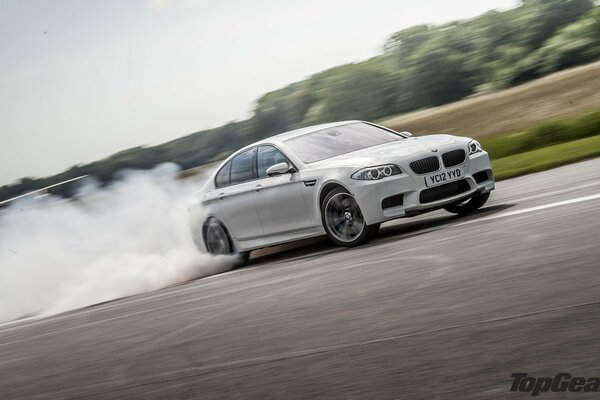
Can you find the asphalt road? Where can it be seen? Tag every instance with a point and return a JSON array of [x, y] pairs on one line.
[[437, 306]]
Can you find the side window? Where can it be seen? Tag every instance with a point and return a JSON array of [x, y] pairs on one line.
[[242, 167], [222, 178], [267, 157]]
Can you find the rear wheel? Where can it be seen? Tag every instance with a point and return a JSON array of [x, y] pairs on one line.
[[218, 242], [343, 220], [469, 205]]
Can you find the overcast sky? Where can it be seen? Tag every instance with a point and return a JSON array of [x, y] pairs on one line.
[[80, 80]]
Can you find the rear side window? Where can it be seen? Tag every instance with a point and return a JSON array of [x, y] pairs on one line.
[[267, 157], [242, 167], [222, 178]]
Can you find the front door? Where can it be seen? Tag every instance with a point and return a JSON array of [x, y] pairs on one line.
[[279, 199]]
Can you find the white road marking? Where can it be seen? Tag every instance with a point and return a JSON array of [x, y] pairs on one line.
[[541, 195], [532, 209], [13, 325]]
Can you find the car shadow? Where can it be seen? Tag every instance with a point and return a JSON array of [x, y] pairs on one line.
[[426, 223], [394, 230]]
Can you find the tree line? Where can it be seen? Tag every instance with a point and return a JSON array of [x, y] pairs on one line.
[[421, 66]]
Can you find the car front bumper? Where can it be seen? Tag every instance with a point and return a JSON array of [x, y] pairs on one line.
[[405, 192]]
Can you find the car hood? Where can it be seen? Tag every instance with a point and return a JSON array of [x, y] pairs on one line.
[[390, 152]]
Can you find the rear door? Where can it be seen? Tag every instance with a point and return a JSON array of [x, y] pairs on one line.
[[279, 199], [236, 194]]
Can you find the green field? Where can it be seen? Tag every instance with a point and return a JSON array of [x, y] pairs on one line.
[[546, 158], [543, 146]]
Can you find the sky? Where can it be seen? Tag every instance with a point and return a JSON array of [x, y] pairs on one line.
[[82, 79]]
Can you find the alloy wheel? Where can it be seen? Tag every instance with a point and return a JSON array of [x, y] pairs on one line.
[[217, 241], [343, 217]]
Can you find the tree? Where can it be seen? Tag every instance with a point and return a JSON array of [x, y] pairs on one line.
[[575, 44], [541, 19], [404, 43], [437, 76], [358, 92]]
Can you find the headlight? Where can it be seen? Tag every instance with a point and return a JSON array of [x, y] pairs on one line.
[[376, 173], [474, 147]]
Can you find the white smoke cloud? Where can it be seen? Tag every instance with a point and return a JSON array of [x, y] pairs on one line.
[[130, 237]]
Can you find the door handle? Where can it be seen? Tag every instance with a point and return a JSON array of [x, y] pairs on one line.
[[258, 188], [221, 196]]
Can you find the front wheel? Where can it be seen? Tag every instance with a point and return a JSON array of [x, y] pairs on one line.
[[469, 205], [343, 220], [218, 242]]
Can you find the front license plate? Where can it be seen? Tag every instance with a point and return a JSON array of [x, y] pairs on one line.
[[443, 177]]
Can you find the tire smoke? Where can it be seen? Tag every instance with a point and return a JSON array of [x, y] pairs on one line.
[[130, 237]]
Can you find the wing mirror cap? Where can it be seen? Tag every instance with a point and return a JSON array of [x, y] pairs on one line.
[[279, 169]]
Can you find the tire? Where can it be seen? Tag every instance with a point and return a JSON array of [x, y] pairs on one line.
[[468, 206], [218, 242], [343, 221], [242, 259]]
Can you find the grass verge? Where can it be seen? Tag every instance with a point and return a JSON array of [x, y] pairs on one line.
[[545, 134], [546, 158]]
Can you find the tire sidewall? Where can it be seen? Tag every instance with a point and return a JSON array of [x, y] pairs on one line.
[[212, 222], [242, 257], [364, 236]]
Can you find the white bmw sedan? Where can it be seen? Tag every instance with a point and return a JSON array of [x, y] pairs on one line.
[[341, 179]]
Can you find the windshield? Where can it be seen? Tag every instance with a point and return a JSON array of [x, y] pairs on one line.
[[332, 142]]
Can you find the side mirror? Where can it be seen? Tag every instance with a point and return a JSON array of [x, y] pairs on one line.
[[278, 169], [406, 133]]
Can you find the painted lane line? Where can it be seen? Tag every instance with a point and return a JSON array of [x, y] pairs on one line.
[[532, 209], [541, 195], [218, 279]]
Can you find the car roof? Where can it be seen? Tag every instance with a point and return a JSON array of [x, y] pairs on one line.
[[282, 137], [278, 139]]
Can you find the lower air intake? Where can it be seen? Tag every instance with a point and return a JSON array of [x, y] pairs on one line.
[[481, 176], [393, 201], [444, 191]]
